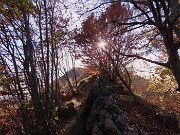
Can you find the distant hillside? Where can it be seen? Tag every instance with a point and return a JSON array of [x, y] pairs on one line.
[[79, 73]]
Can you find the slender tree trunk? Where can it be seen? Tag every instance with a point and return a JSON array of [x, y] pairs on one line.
[[38, 108], [52, 58], [47, 92], [42, 56], [57, 89]]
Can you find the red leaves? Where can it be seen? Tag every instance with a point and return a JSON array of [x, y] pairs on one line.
[[97, 29]]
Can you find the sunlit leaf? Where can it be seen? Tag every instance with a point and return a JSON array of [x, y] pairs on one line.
[[2, 67]]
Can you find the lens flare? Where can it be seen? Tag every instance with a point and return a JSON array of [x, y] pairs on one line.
[[102, 44]]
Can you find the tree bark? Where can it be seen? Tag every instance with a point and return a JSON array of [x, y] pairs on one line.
[[168, 26], [172, 51], [38, 108], [174, 65]]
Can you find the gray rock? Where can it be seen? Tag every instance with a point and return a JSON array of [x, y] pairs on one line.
[[102, 114]]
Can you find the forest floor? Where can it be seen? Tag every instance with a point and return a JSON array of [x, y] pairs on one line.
[[141, 119], [146, 118], [142, 116], [9, 119]]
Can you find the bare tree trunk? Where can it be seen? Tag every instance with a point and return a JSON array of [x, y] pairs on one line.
[[175, 68], [47, 92], [38, 108], [42, 56], [52, 57], [172, 51], [56, 78]]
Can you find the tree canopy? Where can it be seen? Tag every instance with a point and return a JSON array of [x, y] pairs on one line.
[[163, 16], [39, 43]]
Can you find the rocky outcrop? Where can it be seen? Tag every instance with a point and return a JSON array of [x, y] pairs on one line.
[[100, 114], [68, 111], [106, 118]]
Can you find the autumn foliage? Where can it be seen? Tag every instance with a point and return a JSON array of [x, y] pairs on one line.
[[38, 49], [100, 42]]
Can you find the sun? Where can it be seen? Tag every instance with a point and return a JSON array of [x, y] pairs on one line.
[[102, 44]]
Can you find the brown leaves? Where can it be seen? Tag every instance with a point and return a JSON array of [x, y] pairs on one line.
[[2, 68], [9, 123], [98, 29]]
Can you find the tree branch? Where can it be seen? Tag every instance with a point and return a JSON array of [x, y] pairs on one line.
[[131, 23], [101, 4], [148, 60]]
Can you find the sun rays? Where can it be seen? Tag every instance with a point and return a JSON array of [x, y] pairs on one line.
[[102, 44]]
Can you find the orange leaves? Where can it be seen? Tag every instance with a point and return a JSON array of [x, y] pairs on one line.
[[91, 71], [9, 122], [2, 68]]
